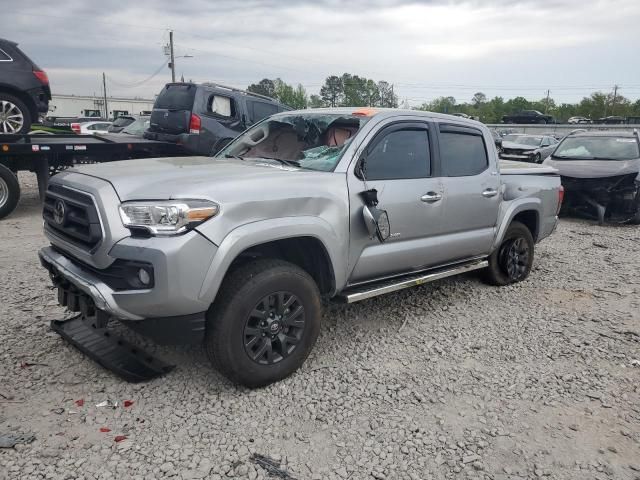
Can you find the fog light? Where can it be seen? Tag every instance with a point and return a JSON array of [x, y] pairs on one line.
[[144, 276]]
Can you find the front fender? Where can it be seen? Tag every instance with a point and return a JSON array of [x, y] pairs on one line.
[[509, 210], [256, 233]]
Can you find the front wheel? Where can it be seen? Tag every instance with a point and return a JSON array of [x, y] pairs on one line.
[[511, 262], [264, 322]]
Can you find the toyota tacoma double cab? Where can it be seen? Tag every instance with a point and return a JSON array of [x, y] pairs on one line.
[[239, 250]]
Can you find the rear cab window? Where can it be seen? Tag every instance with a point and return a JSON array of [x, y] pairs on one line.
[[176, 97], [462, 151]]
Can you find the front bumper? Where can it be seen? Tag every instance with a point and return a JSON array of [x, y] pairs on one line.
[[180, 265], [516, 156]]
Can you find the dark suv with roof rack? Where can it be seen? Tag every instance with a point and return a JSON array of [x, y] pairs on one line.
[[205, 117], [24, 90]]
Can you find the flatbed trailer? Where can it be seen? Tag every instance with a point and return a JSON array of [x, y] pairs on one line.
[[46, 155]]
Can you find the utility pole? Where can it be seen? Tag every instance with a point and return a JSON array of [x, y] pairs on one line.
[[104, 89], [615, 97], [546, 105], [172, 62]]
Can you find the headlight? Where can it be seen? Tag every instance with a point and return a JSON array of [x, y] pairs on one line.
[[167, 217]]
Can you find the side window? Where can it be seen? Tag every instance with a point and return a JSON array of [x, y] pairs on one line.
[[462, 154], [221, 106], [545, 142], [260, 110], [4, 56], [400, 154]]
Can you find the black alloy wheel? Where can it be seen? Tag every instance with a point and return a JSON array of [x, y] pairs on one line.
[[274, 328], [514, 259]]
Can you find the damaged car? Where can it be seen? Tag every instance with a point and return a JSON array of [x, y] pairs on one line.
[[600, 175], [527, 148]]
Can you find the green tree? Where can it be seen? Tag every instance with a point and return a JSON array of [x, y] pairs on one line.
[[388, 99], [263, 87], [316, 102], [293, 97], [332, 92], [478, 99]]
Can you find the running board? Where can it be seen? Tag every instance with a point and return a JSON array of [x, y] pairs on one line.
[[355, 294], [112, 352]]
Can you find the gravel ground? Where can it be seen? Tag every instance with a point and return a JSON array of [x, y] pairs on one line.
[[450, 380]]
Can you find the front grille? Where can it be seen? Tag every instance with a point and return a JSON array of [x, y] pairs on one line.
[[73, 216]]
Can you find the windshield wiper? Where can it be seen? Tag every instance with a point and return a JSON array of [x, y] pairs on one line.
[[290, 163], [237, 157]]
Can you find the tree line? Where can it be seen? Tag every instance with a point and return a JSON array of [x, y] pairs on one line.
[[337, 91], [355, 91]]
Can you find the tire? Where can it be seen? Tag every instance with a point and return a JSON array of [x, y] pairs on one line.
[[9, 191], [542, 121], [14, 109], [238, 319], [498, 272]]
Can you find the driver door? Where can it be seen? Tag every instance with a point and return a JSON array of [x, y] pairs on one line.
[[399, 164]]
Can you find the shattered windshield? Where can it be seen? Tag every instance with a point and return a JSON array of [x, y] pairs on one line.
[[524, 140], [598, 148], [310, 141]]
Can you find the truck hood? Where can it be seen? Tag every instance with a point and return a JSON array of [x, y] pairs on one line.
[[594, 168], [195, 177]]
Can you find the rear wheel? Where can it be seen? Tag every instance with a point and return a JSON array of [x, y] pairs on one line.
[[264, 322], [15, 117], [9, 191], [511, 262]]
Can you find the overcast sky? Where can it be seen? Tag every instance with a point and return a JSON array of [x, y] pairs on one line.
[[425, 48]]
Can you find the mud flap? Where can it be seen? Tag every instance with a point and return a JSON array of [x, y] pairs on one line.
[[112, 352]]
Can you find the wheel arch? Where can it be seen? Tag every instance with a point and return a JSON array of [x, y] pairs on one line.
[[308, 242], [25, 98], [526, 211]]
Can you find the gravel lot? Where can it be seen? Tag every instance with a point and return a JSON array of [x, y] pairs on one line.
[[450, 380]]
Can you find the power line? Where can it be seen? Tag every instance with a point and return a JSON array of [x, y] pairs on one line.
[[140, 83]]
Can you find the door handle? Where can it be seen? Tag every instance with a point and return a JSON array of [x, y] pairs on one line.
[[489, 192], [431, 197]]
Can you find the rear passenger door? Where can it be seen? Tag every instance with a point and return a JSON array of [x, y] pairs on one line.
[[399, 165], [471, 195]]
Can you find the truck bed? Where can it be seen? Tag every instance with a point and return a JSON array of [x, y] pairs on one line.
[[510, 167]]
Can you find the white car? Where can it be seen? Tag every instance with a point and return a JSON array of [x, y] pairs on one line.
[[90, 128], [575, 120]]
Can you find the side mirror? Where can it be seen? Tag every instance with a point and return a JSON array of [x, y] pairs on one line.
[[377, 222]]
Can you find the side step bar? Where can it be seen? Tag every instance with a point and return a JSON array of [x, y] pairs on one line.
[[363, 292]]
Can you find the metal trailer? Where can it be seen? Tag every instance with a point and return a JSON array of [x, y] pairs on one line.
[[46, 155]]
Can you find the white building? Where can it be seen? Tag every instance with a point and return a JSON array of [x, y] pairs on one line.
[[90, 106]]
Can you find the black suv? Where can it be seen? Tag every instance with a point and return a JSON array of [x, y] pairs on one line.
[[205, 117], [528, 116], [24, 90]]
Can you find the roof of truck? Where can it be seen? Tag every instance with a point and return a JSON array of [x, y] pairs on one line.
[[381, 113]]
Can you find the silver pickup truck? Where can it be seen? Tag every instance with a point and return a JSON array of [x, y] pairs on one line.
[[238, 250]]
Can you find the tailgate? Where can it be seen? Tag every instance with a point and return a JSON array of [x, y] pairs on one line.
[[172, 109]]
